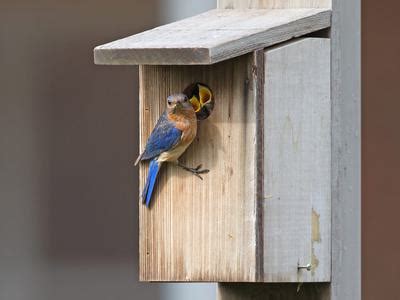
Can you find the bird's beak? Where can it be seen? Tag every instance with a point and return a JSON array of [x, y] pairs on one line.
[[204, 94], [195, 103], [178, 107], [206, 102], [201, 98]]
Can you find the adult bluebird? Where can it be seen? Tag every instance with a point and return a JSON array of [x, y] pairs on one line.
[[174, 132]]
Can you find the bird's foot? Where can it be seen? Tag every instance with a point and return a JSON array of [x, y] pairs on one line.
[[195, 171]]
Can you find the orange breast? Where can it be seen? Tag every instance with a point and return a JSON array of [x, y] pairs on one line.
[[186, 121]]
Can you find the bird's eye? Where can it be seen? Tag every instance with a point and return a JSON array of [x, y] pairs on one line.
[[169, 102], [185, 99]]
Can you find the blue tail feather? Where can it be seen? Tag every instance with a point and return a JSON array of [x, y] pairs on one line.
[[151, 180]]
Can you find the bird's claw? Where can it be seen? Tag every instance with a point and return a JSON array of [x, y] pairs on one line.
[[196, 171], [199, 171]]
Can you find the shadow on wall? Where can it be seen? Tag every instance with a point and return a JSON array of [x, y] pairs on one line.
[[68, 139]]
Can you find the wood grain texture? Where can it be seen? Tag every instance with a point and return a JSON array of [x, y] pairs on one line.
[[297, 175], [203, 230], [259, 73], [213, 36], [297, 161], [346, 151], [213, 230], [242, 4]]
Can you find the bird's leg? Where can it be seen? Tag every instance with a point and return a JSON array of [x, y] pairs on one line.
[[195, 171]]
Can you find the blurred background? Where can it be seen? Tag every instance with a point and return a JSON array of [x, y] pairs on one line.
[[68, 137], [380, 150], [68, 140]]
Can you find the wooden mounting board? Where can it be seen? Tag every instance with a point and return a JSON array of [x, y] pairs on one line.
[[213, 36]]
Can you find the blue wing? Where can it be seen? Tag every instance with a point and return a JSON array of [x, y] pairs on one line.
[[163, 138]]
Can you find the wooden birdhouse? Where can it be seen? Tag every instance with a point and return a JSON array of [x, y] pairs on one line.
[[263, 212]]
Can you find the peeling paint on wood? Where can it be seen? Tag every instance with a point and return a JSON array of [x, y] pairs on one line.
[[316, 238], [316, 235]]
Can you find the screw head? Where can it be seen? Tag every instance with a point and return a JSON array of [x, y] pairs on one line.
[[307, 267]]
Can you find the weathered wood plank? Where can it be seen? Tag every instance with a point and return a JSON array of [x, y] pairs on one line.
[[259, 73], [346, 151], [297, 161], [242, 4], [297, 173], [213, 36], [203, 230]]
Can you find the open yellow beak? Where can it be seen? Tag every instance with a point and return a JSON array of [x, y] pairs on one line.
[[195, 103], [201, 98], [205, 95]]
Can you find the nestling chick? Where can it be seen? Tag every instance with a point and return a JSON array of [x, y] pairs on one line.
[[202, 99]]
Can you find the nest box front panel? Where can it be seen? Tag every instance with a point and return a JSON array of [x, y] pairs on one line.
[[203, 230]]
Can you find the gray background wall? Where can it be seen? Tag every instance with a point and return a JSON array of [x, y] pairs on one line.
[[68, 137]]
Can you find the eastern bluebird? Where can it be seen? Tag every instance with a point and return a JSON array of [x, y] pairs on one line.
[[173, 133]]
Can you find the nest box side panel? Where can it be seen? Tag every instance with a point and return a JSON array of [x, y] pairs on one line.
[[297, 136], [203, 230]]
